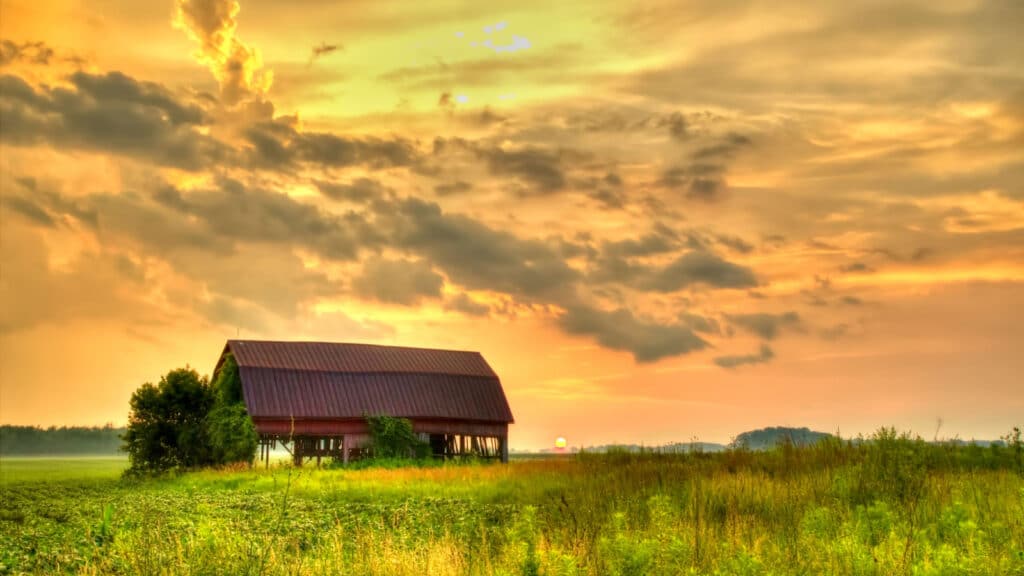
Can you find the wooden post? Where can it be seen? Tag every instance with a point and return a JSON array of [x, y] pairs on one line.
[[344, 450], [297, 451], [503, 445]]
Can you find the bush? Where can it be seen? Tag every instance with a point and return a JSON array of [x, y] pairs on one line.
[[393, 438], [232, 434], [185, 422], [167, 423]]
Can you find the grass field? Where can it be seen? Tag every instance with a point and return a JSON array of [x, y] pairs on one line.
[[895, 506]]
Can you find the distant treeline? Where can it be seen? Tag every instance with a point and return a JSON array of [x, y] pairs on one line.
[[36, 441]]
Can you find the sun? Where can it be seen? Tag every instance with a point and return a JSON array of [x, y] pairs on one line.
[[559, 442]]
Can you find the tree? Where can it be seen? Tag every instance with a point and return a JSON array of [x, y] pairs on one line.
[[393, 438], [233, 436], [167, 423], [186, 421]]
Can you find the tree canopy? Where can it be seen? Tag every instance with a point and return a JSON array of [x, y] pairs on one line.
[[185, 421]]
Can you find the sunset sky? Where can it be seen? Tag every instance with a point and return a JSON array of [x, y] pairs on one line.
[[657, 221]]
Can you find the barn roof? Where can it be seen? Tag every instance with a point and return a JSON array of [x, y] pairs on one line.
[[328, 380]]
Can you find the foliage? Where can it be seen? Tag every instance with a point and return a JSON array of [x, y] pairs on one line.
[[228, 384], [186, 422], [765, 438], [65, 440], [393, 438], [233, 436], [167, 423]]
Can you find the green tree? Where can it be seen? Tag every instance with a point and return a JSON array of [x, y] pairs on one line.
[[233, 437], [167, 423], [393, 438]]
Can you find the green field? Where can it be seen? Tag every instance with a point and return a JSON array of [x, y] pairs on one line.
[[894, 507]]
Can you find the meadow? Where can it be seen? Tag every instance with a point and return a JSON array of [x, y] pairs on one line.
[[895, 505]]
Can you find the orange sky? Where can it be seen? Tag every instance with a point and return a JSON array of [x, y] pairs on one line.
[[678, 221]]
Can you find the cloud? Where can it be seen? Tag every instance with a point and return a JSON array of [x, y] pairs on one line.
[[678, 127], [620, 330], [404, 282], [700, 181], [323, 49], [766, 326], [608, 198], [108, 113], [360, 190], [856, 267], [730, 362], [466, 305], [452, 188], [278, 145], [237, 67], [700, 267], [30, 210], [537, 167], [477, 256], [30, 52]]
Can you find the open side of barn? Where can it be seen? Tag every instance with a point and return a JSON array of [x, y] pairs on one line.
[[313, 397]]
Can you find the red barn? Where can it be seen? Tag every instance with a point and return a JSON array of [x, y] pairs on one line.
[[315, 396]]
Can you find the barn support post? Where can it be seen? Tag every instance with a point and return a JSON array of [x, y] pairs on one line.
[[344, 449], [503, 446]]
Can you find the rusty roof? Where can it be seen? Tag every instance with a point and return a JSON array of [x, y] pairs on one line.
[[327, 380]]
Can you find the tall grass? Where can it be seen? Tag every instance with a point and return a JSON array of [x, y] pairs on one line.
[[889, 504]]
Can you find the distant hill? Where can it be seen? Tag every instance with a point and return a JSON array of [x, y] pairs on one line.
[[675, 447], [769, 437], [62, 441]]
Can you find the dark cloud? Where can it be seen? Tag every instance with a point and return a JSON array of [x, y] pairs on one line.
[[725, 149], [620, 330], [360, 190], [608, 198], [701, 324], [486, 117], [677, 125], [323, 49], [700, 267], [766, 326], [851, 301], [404, 282], [278, 145], [30, 52], [539, 168], [477, 256], [856, 267], [659, 241], [29, 210], [700, 181], [453, 188], [108, 113], [730, 362], [466, 305], [735, 243]]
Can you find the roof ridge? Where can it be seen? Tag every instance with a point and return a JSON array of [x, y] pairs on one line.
[[403, 347], [493, 374]]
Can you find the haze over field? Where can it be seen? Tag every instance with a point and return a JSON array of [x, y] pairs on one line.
[[656, 223]]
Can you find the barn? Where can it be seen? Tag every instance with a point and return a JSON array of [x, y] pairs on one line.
[[313, 397]]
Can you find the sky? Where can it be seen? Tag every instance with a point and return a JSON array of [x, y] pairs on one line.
[[658, 222]]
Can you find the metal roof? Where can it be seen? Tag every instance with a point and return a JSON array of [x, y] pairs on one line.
[[327, 380]]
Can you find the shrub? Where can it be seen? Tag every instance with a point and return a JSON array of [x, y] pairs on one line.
[[393, 438], [185, 422], [167, 423]]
